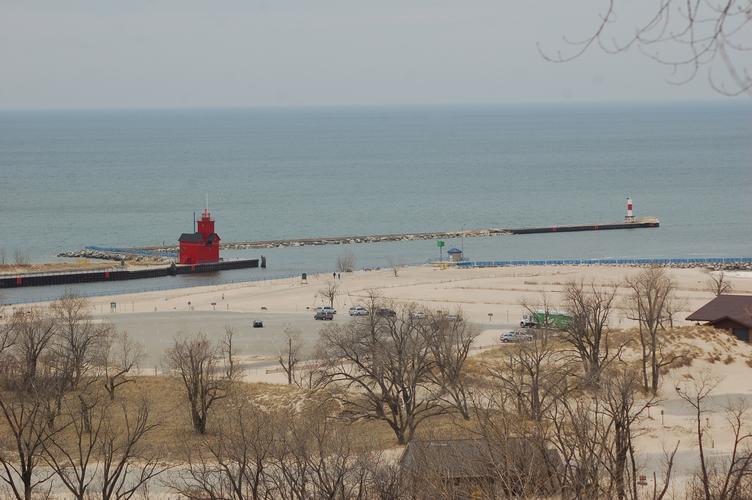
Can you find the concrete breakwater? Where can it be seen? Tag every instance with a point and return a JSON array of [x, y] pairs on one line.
[[77, 277], [643, 222]]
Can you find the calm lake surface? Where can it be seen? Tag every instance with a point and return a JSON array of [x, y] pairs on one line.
[[120, 178]]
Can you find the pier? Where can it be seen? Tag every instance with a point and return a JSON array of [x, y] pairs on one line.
[[119, 274], [637, 223]]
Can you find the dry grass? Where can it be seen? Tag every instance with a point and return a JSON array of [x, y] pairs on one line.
[[166, 399], [686, 344], [81, 265], [166, 396]]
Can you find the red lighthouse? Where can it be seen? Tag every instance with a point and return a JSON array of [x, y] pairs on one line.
[[202, 246]]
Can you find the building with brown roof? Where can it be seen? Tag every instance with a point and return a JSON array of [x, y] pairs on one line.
[[461, 469], [727, 312]]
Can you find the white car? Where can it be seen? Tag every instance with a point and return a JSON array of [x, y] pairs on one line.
[[326, 309], [515, 336], [358, 311]]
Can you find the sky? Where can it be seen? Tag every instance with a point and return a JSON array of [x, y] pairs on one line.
[[240, 53]]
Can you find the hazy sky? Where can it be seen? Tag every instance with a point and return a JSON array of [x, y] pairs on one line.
[[166, 53]]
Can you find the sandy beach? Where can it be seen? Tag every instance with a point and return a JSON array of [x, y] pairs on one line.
[[490, 298]]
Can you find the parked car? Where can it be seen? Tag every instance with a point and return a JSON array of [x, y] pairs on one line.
[[417, 315], [386, 313], [257, 323], [326, 309], [324, 316], [515, 336], [358, 311]]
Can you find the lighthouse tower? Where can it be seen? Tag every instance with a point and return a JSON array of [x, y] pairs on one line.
[[202, 246], [630, 215]]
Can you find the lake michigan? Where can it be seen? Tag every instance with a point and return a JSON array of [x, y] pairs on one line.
[[69, 179]]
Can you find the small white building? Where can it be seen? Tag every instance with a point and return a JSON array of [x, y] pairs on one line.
[[455, 254]]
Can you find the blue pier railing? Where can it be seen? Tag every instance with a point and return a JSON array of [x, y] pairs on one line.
[[607, 262]]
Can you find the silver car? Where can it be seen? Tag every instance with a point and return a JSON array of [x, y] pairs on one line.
[[358, 311], [515, 336]]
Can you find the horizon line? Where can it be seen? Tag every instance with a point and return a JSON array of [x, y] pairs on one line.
[[723, 100]]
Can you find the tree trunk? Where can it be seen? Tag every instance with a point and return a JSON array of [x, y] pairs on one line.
[[199, 421], [654, 364]]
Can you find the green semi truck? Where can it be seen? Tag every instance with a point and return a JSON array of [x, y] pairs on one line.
[[546, 319]]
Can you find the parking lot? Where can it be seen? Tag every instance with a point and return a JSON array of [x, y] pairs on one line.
[[158, 330]]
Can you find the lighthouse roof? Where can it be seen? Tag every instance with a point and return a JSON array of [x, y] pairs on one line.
[[191, 238], [198, 238]]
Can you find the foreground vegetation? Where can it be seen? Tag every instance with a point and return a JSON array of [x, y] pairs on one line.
[[562, 414]]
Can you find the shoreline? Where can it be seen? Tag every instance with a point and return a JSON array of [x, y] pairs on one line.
[[383, 278], [727, 264]]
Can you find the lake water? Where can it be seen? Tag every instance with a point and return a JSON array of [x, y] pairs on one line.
[[120, 178]]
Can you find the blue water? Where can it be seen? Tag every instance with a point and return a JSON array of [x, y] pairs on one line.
[[118, 178]]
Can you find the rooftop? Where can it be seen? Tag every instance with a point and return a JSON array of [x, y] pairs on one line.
[[737, 308]]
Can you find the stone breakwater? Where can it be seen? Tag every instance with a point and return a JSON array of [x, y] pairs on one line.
[[121, 253], [114, 256], [642, 222], [345, 240]]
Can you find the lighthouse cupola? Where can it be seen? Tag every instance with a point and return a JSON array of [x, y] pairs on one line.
[[206, 224]]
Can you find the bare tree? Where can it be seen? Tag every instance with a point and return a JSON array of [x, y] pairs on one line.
[[450, 339], [320, 458], [118, 357], [229, 351], [719, 478], [7, 331], [543, 308], [73, 459], [588, 332], [717, 284], [21, 257], [79, 339], [125, 467], [650, 304], [289, 355], [577, 427], [329, 292], [669, 459], [196, 362], [346, 262], [534, 376], [684, 36], [26, 420], [383, 364], [394, 264], [236, 464], [34, 332], [618, 392]]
